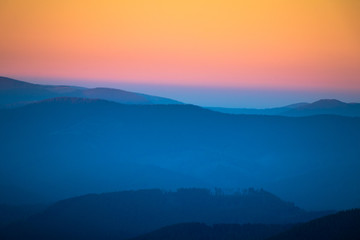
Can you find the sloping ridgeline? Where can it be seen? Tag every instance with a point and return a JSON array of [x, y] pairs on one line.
[[17, 93], [121, 215], [344, 225]]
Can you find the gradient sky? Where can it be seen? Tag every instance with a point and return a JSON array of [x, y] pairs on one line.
[[308, 45]]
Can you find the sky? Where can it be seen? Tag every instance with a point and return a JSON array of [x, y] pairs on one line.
[[216, 52]]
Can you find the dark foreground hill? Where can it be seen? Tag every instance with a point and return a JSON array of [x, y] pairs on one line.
[[14, 213], [16, 93], [200, 231], [127, 214], [67, 147], [341, 226], [344, 225]]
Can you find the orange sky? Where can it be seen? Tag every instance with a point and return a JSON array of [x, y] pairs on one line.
[[308, 44]]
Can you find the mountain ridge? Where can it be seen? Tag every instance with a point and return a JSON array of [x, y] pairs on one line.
[[16, 93], [125, 214], [320, 107]]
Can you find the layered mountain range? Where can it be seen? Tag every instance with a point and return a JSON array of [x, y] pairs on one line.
[[60, 142], [65, 147]]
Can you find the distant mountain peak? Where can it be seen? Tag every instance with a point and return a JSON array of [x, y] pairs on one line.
[[328, 101], [325, 103], [320, 107]]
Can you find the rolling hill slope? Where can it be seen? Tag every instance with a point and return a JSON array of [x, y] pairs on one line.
[[343, 225], [121, 215], [65, 147], [17, 93]]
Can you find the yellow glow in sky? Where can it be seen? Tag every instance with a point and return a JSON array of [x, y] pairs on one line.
[[243, 43]]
